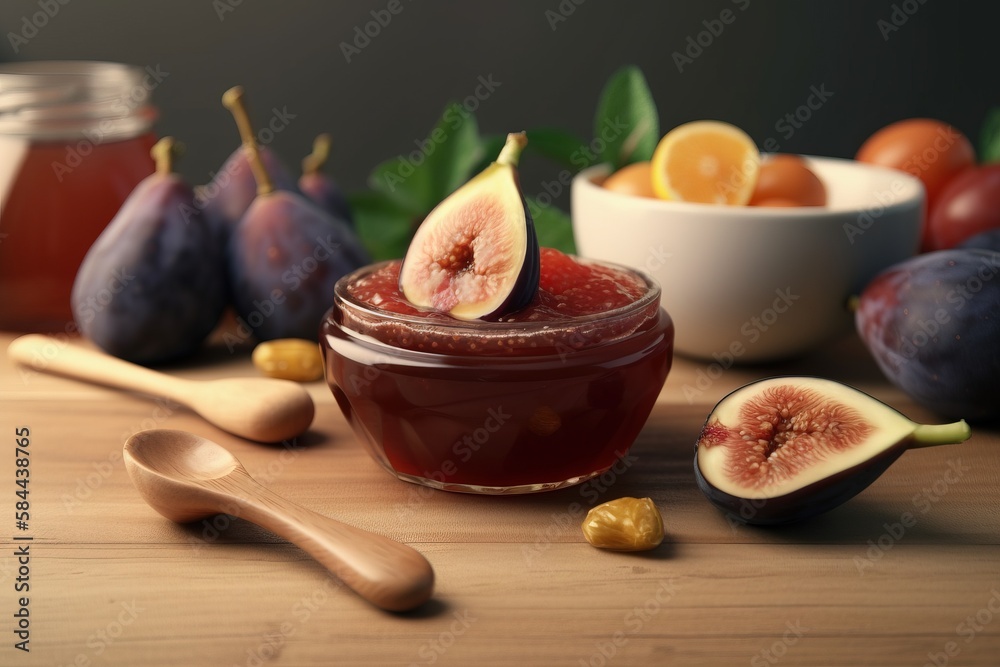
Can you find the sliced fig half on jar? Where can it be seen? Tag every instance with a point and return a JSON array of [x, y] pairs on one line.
[[788, 448], [476, 254]]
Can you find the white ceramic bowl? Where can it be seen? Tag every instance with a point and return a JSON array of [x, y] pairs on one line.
[[748, 284]]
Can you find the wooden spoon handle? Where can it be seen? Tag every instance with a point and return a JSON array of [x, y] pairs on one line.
[[387, 573], [51, 355]]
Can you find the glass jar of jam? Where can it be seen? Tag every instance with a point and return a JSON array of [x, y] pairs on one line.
[[550, 397], [74, 142]]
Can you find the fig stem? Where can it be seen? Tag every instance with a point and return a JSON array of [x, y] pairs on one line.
[[929, 435], [163, 153], [233, 100], [853, 302], [511, 153], [313, 162]]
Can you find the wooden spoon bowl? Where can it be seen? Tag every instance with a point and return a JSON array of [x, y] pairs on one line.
[[186, 477]]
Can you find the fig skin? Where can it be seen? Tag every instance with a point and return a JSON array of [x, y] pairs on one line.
[[433, 245], [161, 268], [227, 197], [803, 503], [531, 272], [326, 193], [321, 188], [932, 324], [988, 240], [853, 434], [285, 254], [280, 238]]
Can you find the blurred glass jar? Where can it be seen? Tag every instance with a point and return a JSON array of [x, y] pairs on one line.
[[74, 141]]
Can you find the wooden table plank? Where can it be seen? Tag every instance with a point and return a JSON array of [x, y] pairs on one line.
[[113, 583]]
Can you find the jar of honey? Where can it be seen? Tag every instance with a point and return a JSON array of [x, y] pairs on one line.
[[74, 141]]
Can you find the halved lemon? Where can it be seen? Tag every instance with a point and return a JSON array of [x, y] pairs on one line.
[[706, 161]]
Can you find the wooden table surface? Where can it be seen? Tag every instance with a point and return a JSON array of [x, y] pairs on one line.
[[907, 573]]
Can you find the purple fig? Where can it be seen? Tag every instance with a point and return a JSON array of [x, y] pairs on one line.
[[988, 240], [932, 324], [285, 254], [320, 187], [232, 189], [152, 286]]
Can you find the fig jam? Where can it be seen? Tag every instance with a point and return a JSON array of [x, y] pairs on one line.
[[539, 399], [52, 219], [74, 142]]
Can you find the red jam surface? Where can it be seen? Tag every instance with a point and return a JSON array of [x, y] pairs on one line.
[[550, 396], [566, 288], [578, 305]]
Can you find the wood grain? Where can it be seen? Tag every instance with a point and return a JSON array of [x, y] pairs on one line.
[[114, 583]]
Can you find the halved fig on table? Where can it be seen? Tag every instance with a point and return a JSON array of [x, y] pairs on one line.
[[788, 448], [476, 254]]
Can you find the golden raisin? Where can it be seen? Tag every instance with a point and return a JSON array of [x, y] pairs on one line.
[[625, 524], [289, 359]]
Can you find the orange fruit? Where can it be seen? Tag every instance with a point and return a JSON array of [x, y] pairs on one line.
[[775, 202], [788, 177], [933, 151], [706, 161], [633, 179]]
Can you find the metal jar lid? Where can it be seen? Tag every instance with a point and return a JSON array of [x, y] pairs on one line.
[[59, 100]]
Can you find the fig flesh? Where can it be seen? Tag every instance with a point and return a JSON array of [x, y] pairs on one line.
[[932, 323], [787, 448], [476, 254]]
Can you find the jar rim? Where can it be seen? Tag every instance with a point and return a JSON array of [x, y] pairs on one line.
[[61, 99], [45, 71], [446, 336], [652, 294]]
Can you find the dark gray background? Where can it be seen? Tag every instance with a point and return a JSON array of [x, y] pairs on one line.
[[939, 63]]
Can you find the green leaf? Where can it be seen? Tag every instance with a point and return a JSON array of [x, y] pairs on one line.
[[385, 228], [989, 137], [558, 145], [552, 225], [409, 187], [418, 180], [627, 122], [455, 157]]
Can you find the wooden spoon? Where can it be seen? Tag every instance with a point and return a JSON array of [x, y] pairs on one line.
[[185, 477], [263, 409]]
